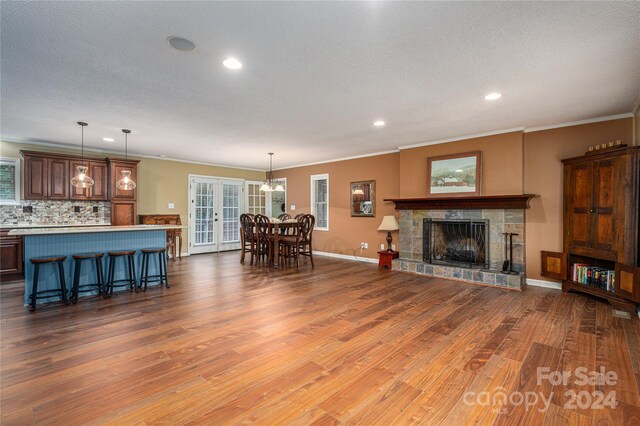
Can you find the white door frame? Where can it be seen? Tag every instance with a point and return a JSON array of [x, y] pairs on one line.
[[218, 200]]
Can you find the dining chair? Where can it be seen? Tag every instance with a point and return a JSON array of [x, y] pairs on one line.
[[298, 216], [247, 237], [284, 216], [264, 246], [289, 248], [305, 246]]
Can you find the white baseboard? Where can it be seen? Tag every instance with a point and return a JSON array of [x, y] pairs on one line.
[[346, 257], [543, 283]]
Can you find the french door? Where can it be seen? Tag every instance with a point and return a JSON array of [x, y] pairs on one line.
[[214, 214]]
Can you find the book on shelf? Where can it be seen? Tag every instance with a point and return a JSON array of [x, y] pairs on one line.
[[593, 276]]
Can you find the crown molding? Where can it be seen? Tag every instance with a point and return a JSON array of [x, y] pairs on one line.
[[355, 157], [462, 138], [113, 152], [579, 122]]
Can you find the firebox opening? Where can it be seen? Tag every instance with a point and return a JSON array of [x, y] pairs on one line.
[[456, 242]]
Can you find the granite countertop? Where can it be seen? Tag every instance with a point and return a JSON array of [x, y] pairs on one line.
[[46, 225], [90, 229]]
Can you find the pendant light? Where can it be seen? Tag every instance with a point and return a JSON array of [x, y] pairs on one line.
[[126, 183], [268, 184], [81, 180]]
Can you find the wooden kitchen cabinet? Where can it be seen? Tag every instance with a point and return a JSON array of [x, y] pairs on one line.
[[11, 261], [35, 179], [115, 173], [58, 177], [123, 213], [97, 170]]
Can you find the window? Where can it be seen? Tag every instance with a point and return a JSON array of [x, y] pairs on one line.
[[9, 181], [320, 201], [256, 199]]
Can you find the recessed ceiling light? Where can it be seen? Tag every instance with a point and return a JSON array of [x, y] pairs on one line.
[[107, 139], [493, 96], [379, 123], [181, 44], [232, 63]]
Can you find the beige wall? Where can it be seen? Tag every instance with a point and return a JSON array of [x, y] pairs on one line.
[[160, 182], [513, 163], [543, 176], [501, 164], [345, 232]]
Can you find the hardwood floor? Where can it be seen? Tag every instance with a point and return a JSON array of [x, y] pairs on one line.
[[343, 343]]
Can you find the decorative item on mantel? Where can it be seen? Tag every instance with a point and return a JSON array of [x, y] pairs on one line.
[[126, 183], [81, 180], [389, 223], [270, 184], [456, 175]]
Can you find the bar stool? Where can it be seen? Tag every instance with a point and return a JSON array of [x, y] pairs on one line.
[[162, 263], [62, 291], [130, 281], [77, 288]]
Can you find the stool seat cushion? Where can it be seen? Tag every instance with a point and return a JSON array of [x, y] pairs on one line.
[[154, 250], [48, 259], [122, 253], [87, 255]]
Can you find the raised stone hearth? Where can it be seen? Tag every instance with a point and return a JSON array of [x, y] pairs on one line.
[[411, 246]]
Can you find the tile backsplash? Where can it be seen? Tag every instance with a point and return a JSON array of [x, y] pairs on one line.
[[49, 212]]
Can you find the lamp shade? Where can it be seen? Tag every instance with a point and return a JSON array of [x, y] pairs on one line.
[[358, 192], [389, 223]]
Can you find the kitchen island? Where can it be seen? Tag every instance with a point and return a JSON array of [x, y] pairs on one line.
[[67, 241]]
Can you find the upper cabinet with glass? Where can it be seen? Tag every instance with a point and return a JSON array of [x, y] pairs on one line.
[[363, 198]]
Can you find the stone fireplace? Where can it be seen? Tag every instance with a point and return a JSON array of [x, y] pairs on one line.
[[462, 239]]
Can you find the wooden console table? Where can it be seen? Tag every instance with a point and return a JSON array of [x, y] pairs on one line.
[[174, 236]]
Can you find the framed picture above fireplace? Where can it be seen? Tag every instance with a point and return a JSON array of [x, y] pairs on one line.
[[455, 175]]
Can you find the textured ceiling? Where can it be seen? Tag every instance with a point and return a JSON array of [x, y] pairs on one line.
[[315, 77]]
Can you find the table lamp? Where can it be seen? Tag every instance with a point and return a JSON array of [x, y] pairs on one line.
[[389, 223]]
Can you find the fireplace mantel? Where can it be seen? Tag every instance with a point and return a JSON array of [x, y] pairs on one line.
[[464, 203]]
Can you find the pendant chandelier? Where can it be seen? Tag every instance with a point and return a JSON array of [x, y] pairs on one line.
[[81, 180], [271, 184], [126, 183]]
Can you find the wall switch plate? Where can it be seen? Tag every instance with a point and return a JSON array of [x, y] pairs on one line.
[[95, 209], [27, 209], [293, 207], [76, 209], [171, 206]]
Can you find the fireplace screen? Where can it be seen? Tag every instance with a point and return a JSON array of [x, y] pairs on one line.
[[456, 242]]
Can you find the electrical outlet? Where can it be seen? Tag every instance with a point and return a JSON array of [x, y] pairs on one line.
[[363, 246], [27, 209], [393, 247], [381, 246], [76, 209], [96, 209]]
